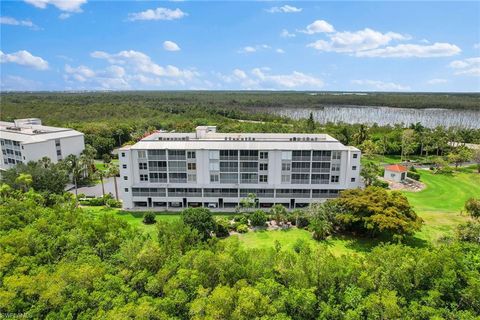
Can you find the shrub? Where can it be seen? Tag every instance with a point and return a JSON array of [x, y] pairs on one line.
[[380, 183], [472, 206], [149, 218], [200, 219], [469, 231], [302, 222], [112, 203], [242, 228], [241, 218], [258, 218], [223, 226], [413, 175]]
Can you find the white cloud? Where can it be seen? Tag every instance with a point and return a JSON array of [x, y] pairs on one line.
[[64, 15], [380, 85], [286, 34], [284, 9], [24, 58], [413, 50], [261, 78], [157, 14], [280, 50], [170, 46], [347, 41], [80, 73], [467, 67], [64, 5], [144, 64], [252, 49], [319, 26], [14, 22], [437, 81], [476, 46]]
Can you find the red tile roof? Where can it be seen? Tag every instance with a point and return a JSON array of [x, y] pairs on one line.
[[396, 168]]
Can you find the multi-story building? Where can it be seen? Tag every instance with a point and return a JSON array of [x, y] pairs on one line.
[[27, 140], [216, 170]]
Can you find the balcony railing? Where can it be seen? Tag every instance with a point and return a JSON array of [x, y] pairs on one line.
[[300, 181]]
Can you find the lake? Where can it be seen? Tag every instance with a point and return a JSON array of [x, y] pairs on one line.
[[385, 115]]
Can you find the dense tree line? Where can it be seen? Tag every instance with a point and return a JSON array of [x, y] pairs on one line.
[[112, 119], [59, 262]]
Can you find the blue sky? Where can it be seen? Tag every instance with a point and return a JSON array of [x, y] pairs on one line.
[[133, 45]]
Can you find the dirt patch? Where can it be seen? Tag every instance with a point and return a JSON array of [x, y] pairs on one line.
[[406, 185]]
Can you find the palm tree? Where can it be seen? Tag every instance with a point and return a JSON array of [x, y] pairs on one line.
[[24, 181], [100, 174], [75, 167], [88, 159], [113, 171]]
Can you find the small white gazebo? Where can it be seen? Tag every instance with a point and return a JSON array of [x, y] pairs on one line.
[[395, 172]]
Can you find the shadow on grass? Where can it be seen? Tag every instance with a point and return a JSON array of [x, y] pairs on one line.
[[366, 244]]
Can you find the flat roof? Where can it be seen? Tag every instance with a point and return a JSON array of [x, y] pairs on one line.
[[33, 133], [212, 140]]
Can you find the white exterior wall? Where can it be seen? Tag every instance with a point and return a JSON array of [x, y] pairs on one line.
[[129, 157], [34, 151], [394, 175]]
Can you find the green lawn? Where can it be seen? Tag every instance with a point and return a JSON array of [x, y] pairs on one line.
[[439, 205], [100, 165]]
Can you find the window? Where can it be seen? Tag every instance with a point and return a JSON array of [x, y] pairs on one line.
[[263, 166], [263, 155], [123, 154], [248, 178], [352, 180], [57, 143], [336, 155], [59, 152], [354, 168], [177, 177], [144, 177], [125, 178], [191, 177], [124, 166], [214, 178], [334, 178], [17, 153], [192, 166], [355, 155], [335, 167], [392, 175], [126, 189], [285, 178], [158, 177], [214, 154], [157, 165], [228, 166], [191, 155], [286, 166], [286, 155], [263, 178], [142, 165], [214, 166]]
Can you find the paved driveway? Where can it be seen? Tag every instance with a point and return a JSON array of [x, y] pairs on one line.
[[96, 190]]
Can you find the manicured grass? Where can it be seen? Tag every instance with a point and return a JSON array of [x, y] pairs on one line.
[[100, 165], [439, 205], [441, 202], [338, 245]]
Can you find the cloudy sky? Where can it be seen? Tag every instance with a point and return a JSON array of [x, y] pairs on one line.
[[130, 45]]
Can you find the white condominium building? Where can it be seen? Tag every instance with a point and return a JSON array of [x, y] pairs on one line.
[[27, 140], [216, 170]]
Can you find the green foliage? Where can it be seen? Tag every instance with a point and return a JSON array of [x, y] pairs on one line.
[[375, 210], [472, 207], [223, 228], [413, 175], [322, 219], [279, 214], [469, 231], [62, 262], [258, 218], [149, 217], [369, 173], [200, 219], [242, 228], [45, 177]]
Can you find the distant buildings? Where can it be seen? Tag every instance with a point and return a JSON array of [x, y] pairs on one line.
[[395, 172], [27, 140], [216, 170]]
